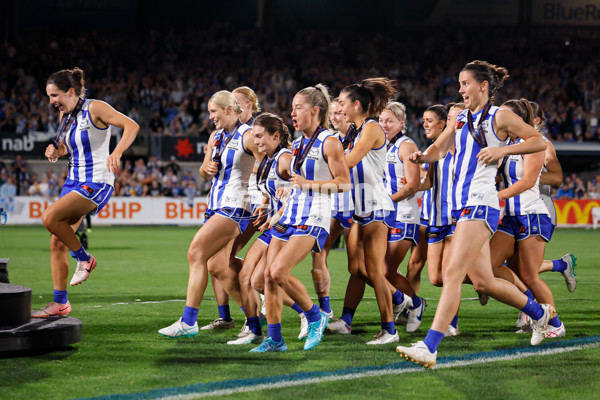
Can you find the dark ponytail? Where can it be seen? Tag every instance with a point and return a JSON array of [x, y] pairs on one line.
[[484, 71], [373, 94], [67, 79]]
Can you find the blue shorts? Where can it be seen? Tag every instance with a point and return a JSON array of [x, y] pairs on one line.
[[424, 222], [436, 234], [385, 216], [265, 237], [490, 215], [402, 231], [238, 215], [285, 232], [523, 226], [98, 193], [344, 217]]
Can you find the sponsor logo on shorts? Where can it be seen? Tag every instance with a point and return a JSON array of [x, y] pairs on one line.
[[396, 231], [302, 227], [465, 211], [522, 230], [87, 189]]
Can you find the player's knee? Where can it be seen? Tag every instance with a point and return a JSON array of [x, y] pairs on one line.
[[56, 245]]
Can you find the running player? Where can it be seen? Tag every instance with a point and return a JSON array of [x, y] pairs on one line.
[[318, 169], [228, 163], [271, 137], [248, 102], [526, 225], [372, 204], [402, 181], [89, 184], [480, 138], [341, 218], [440, 179]]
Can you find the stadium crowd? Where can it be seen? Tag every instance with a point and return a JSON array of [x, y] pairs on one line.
[[167, 91]]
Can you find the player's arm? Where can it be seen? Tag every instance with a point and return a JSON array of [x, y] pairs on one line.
[[209, 168], [102, 115], [412, 173], [554, 174], [532, 165]]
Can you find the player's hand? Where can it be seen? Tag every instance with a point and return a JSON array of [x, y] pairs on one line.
[[113, 162], [490, 154], [52, 153], [210, 167], [416, 157]]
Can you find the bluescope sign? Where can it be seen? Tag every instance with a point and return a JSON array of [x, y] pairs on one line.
[[566, 12]]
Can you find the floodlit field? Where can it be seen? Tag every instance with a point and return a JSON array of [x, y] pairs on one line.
[[139, 286]]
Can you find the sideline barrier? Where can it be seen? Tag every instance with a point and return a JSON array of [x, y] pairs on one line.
[[120, 211], [170, 211]]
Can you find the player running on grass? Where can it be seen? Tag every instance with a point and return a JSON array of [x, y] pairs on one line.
[[85, 128]]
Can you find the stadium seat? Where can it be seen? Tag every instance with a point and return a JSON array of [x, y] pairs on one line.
[[595, 216]]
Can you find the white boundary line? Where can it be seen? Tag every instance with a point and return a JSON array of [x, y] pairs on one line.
[[350, 376]]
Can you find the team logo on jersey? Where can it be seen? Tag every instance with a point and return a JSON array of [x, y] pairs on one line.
[[392, 158], [478, 196], [459, 124], [485, 125], [87, 189], [233, 144], [315, 217], [406, 216], [84, 124], [313, 154], [373, 202]]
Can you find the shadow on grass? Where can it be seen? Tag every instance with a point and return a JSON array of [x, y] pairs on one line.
[[22, 367]]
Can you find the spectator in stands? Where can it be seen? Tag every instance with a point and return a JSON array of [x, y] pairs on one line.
[[8, 191], [564, 192]]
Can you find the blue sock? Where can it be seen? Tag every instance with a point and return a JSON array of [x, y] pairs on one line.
[[297, 308], [324, 304], [60, 296], [529, 294], [274, 332], [555, 322], [244, 311], [190, 315], [313, 315], [416, 302], [389, 327], [80, 255], [559, 266], [454, 322], [224, 312], [254, 325], [533, 309], [397, 298], [433, 339], [347, 315]]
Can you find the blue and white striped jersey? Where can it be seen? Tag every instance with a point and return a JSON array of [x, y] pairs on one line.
[[306, 206], [229, 188], [88, 147], [407, 210], [474, 183], [441, 191]]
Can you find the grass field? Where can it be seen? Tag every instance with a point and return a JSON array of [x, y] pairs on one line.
[[139, 286]]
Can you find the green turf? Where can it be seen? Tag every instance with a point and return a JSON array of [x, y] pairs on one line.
[[121, 352]]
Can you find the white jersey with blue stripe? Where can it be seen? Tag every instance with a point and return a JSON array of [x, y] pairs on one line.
[[528, 202], [273, 182], [474, 183], [441, 191], [368, 181], [88, 147], [306, 206], [229, 186], [341, 202], [407, 210]]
